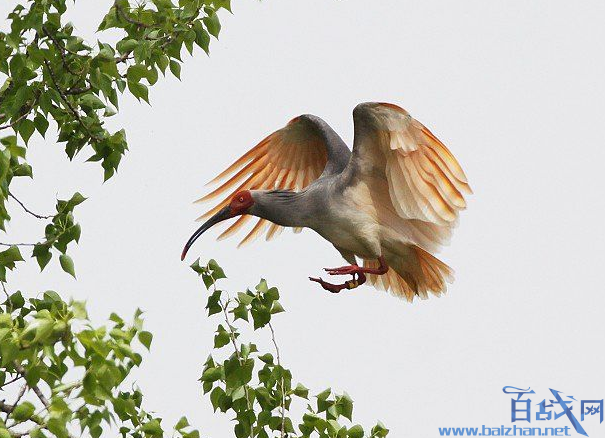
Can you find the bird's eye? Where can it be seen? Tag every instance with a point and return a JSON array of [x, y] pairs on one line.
[[241, 199]]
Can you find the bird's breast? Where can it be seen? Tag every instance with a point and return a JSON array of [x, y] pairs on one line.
[[349, 228]]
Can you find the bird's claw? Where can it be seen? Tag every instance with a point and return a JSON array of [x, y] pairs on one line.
[[334, 288], [343, 270]]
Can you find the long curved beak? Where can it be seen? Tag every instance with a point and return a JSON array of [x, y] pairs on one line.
[[221, 215]]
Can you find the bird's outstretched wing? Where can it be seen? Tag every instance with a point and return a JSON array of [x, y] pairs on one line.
[[426, 186], [425, 180], [291, 158]]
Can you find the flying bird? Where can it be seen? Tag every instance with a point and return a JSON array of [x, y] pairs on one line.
[[392, 201]]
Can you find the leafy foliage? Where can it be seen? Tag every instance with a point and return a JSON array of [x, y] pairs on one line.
[[253, 385], [72, 376], [51, 77], [50, 74], [76, 371]]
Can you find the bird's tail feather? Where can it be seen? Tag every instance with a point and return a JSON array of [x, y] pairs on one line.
[[416, 274]]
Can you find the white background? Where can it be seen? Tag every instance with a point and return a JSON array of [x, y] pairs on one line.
[[516, 89]]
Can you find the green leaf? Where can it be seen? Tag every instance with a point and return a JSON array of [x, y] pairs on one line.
[[42, 254], [277, 307], [379, 430], [301, 391], [217, 271], [78, 308], [237, 374], [127, 45], [10, 256], [26, 129], [175, 68], [91, 101], [23, 411], [153, 428], [267, 358], [240, 312], [272, 294], [197, 267], [260, 315], [212, 24], [324, 394], [244, 298], [139, 90], [215, 397], [67, 264], [41, 124], [181, 424], [221, 338], [17, 300], [211, 375], [344, 406], [355, 432], [238, 393], [145, 338]]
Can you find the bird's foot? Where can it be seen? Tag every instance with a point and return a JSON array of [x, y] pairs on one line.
[[345, 270], [357, 281], [335, 288], [360, 271]]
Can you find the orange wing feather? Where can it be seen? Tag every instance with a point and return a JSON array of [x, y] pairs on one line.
[[289, 159], [426, 182]]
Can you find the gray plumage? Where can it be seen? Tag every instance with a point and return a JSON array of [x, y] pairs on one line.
[[391, 201]]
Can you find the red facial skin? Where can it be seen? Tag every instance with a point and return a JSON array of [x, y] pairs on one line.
[[241, 202]]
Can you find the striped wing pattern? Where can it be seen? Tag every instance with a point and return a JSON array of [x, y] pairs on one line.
[[289, 159], [425, 180]]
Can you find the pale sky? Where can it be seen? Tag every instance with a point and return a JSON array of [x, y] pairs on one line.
[[516, 90]]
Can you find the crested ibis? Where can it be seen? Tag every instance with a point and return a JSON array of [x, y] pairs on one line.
[[392, 201]]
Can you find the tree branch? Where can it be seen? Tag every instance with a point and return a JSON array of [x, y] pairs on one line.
[[66, 101], [237, 353], [5, 407], [73, 91], [34, 388], [18, 376], [39, 216], [283, 393], [14, 122], [8, 409], [61, 50], [125, 17], [5, 292]]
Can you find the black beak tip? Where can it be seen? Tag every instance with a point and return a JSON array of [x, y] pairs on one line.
[[184, 253]]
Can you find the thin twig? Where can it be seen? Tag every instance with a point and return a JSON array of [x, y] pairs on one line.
[[121, 13], [5, 407], [20, 395], [237, 353], [17, 244], [39, 216], [17, 120], [61, 50], [8, 409], [18, 376], [73, 91], [283, 393], [66, 101], [34, 388], [125, 57]]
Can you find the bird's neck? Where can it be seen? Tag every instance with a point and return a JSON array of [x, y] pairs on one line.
[[281, 207]]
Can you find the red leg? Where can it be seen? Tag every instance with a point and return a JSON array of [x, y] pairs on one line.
[[354, 269], [335, 288]]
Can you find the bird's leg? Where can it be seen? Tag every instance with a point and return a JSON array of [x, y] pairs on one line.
[[358, 280], [354, 269]]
